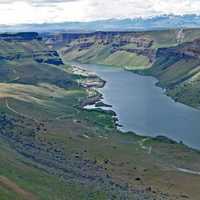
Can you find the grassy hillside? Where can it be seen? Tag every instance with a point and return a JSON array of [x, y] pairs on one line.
[[51, 148], [126, 59]]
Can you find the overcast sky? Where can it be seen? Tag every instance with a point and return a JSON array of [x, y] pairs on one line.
[[39, 11]]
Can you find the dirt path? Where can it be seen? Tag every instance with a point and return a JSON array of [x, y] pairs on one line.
[[18, 113], [141, 143], [17, 77], [188, 171], [10, 185]]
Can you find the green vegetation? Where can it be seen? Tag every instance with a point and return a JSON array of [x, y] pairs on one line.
[[96, 53], [102, 55], [51, 148], [35, 181], [126, 59]]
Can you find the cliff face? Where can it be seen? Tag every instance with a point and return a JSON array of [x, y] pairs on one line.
[[104, 47], [133, 49], [188, 49], [116, 39], [24, 36], [24, 58], [191, 48], [24, 46], [121, 38]]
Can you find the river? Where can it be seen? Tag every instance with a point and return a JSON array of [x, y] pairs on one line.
[[143, 107]]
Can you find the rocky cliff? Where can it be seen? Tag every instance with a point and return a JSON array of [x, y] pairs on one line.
[[103, 47], [124, 49], [24, 36], [26, 45]]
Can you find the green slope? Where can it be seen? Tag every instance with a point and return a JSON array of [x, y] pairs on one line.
[[126, 60]]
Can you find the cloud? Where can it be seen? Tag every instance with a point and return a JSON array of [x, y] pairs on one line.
[[143, 8], [36, 1], [39, 11]]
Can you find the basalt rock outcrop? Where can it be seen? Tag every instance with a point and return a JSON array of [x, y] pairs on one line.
[[24, 42], [104, 44], [24, 36]]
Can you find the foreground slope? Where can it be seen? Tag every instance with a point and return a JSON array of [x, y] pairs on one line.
[[52, 148]]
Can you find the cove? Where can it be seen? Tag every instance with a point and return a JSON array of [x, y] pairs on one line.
[[143, 108]]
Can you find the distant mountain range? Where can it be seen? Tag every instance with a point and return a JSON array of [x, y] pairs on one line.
[[136, 24]]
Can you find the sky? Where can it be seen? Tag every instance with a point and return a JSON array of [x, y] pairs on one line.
[[49, 11]]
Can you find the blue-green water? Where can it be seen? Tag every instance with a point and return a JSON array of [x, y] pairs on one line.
[[143, 107]]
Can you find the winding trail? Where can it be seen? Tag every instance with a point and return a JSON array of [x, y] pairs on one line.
[[141, 143], [188, 171], [10, 185], [17, 77], [18, 113]]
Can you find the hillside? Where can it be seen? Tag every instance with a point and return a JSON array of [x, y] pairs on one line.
[[51, 148]]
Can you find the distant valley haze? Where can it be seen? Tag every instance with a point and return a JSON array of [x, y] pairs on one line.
[[161, 22], [125, 14]]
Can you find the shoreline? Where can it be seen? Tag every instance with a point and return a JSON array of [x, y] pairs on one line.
[[92, 101], [165, 89], [141, 72], [96, 100]]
